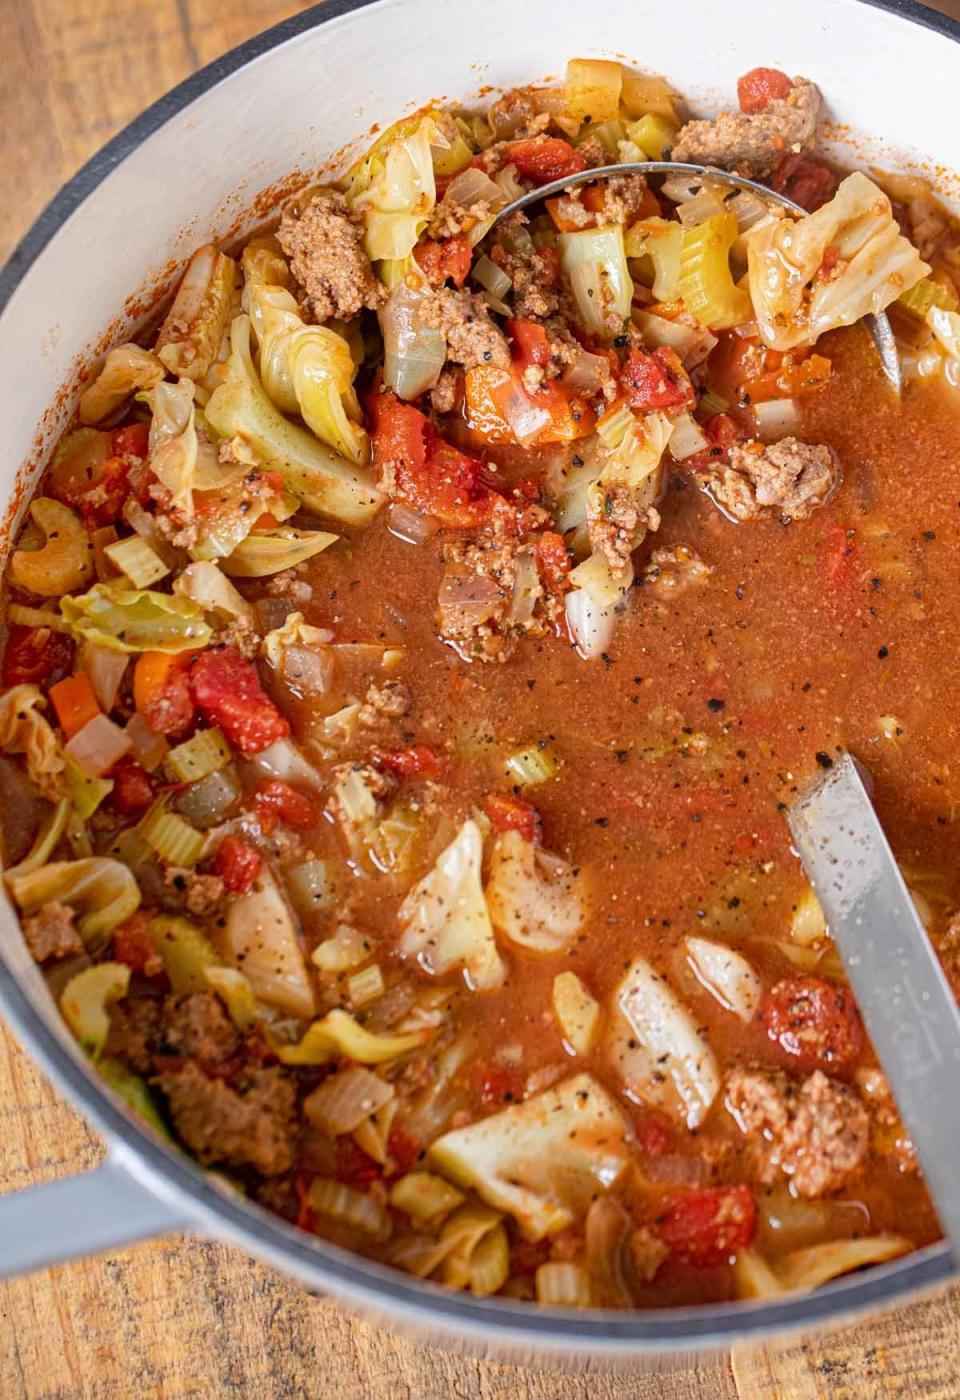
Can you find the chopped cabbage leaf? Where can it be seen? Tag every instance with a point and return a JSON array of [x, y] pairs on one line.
[[64, 561], [875, 265], [174, 445], [23, 729], [189, 339], [294, 632], [261, 938], [727, 975], [804, 1269], [85, 1001], [595, 262], [131, 619], [126, 370], [400, 192], [658, 1049], [576, 1011], [275, 317], [338, 1034], [241, 408], [263, 264], [204, 584], [543, 1160], [185, 951], [534, 898], [445, 920], [103, 891], [271, 551]]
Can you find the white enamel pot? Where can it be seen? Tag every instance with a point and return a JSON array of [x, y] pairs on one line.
[[186, 171]]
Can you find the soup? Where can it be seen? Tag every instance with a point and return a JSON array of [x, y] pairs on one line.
[[412, 652]]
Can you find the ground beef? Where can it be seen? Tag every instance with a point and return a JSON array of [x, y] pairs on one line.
[[135, 1031], [816, 1133], [789, 478], [239, 632], [673, 571], [288, 585], [514, 117], [444, 394], [450, 218], [532, 273], [889, 1136], [384, 702], [184, 889], [621, 526], [327, 257], [247, 1124], [476, 595], [197, 1027], [52, 932], [623, 198], [753, 142], [471, 336], [594, 152]]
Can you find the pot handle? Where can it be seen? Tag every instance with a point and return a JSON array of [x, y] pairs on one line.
[[104, 1209]]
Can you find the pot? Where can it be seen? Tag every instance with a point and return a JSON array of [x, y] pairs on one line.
[[203, 161]]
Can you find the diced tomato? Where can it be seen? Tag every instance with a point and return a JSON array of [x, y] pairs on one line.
[[806, 181], [814, 1023], [403, 1150], [509, 813], [756, 88], [161, 691], [415, 761], [541, 159], [35, 656], [237, 864], [722, 431], [276, 801], [432, 475], [102, 504], [656, 380], [530, 343], [131, 441], [706, 1227], [501, 409], [443, 259], [133, 945], [354, 1166], [553, 561], [227, 689], [133, 789]]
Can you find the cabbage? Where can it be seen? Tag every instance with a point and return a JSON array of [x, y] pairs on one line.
[[102, 890], [401, 192], [444, 918], [658, 1049], [174, 445], [189, 339], [876, 265], [134, 619], [261, 939], [205, 585], [534, 898], [727, 975], [64, 561], [275, 316], [271, 551], [185, 950], [241, 408], [294, 633], [263, 264], [322, 370], [413, 353], [543, 1160], [595, 262], [338, 1034], [126, 370], [24, 730]]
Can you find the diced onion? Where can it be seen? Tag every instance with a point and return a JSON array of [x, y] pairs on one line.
[[726, 975], [284, 760], [687, 437], [591, 626], [776, 419], [149, 748], [529, 767], [106, 669], [473, 186], [346, 948], [307, 671], [211, 800], [495, 281], [366, 986], [309, 886], [345, 1099], [409, 524], [414, 353], [686, 340], [577, 1012], [587, 374], [526, 590], [98, 746]]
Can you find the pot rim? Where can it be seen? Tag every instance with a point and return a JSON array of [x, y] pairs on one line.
[[216, 1213]]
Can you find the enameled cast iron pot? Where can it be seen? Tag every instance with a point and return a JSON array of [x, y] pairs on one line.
[[181, 174]]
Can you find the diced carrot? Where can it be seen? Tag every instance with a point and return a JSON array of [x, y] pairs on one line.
[[161, 692], [75, 703]]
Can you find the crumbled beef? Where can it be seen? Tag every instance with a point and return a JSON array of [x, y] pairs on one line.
[[52, 932], [514, 117], [239, 632], [621, 525], [788, 478], [532, 273], [673, 571], [135, 1030], [753, 142], [464, 320], [594, 152], [572, 210], [188, 890], [176, 529], [450, 217], [197, 1027], [444, 394], [246, 1124], [384, 702], [817, 1133], [623, 198], [288, 585], [889, 1136], [327, 257], [478, 609]]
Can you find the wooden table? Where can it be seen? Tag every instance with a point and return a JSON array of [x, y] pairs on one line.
[[181, 1318]]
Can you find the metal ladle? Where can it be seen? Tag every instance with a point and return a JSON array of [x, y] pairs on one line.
[[877, 323]]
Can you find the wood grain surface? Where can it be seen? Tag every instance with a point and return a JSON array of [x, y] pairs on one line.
[[180, 1318]]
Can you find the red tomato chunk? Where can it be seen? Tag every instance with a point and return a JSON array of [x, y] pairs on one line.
[[279, 801], [656, 380], [814, 1022], [133, 945], [132, 788], [227, 689], [756, 88], [707, 1227], [237, 864], [417, 761], [508, 813], [543, 158], [444, 259], [35, 655]]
